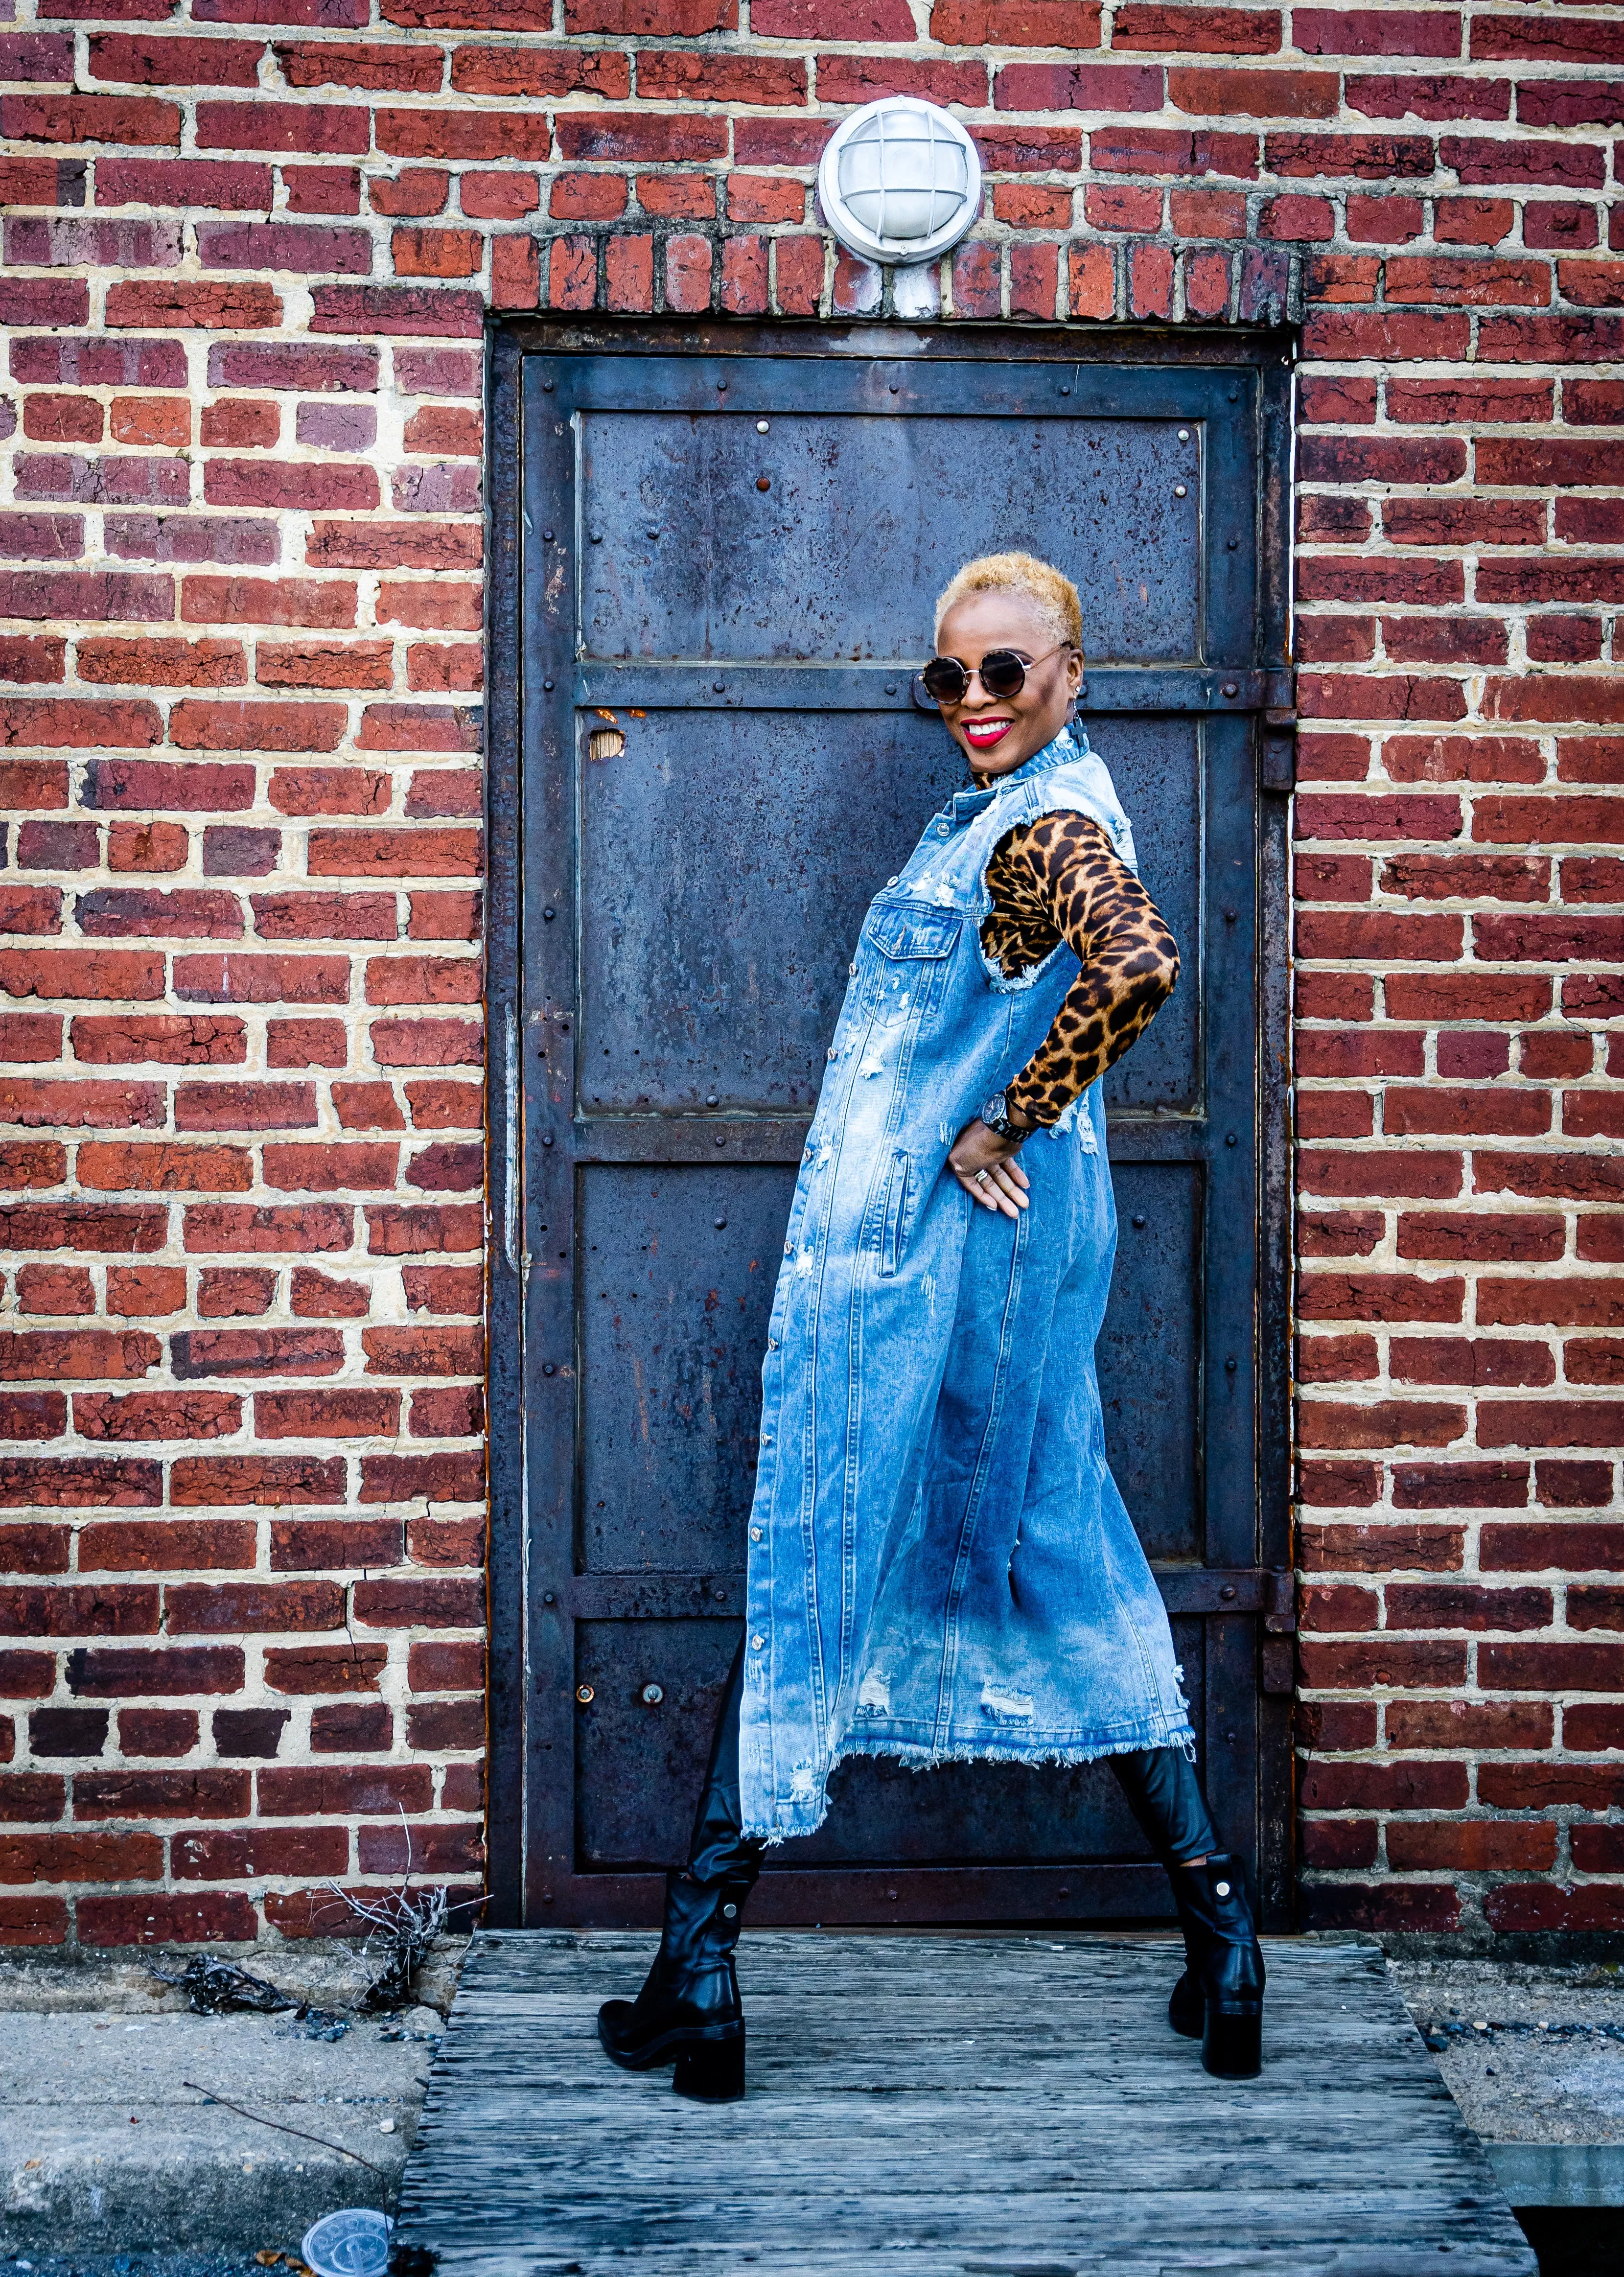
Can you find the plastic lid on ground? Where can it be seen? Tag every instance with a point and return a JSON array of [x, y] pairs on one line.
[[354, 2242]]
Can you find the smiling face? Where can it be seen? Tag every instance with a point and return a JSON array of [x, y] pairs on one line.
[[1001, 733]]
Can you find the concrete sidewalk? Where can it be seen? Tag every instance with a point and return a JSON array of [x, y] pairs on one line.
[[1535, 2059], [103, 2148]]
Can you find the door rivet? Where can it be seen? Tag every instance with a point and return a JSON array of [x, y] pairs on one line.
[[721, 1223], [586, 1694], [1138, 1221], [1230, 1365], [1065, 390], [890, 688], [1180, 491], [1184, 434], [596, 536], [547, 536], [761, 426], [711, 1098], [546, 1137], [548, 1367], [547, 388], [549, 1597], [722, 386], [652, 1695], [1231, 689], [548, 685], [764, 482], [1228, 1590], [718, 687], [1231, 1140], [548, 916], [1232, 544]]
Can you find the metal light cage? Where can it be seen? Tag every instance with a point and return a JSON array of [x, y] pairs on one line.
[[900, 181]]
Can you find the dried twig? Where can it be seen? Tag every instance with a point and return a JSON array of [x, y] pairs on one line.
[[260, 2121]]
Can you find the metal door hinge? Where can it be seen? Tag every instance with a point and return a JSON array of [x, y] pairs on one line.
[[1268, 1590], [1279, 1656], [1264, 1589], [1277, 758], [1280, 1601], [1280, 699]]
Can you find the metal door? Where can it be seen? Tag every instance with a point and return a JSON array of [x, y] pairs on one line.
[[717, 583]]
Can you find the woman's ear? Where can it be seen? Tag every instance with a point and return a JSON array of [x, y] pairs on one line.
[[1074, 681]]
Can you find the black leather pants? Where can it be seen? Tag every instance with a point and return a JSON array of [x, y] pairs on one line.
[[1162, 1790], [717, 1845], [1159, 1784]]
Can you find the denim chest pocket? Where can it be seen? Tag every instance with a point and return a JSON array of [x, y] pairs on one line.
[[913, 946]]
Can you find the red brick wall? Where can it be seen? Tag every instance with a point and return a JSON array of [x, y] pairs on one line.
[[247, 268]]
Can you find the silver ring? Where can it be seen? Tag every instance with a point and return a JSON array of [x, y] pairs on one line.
[[978, 1179]]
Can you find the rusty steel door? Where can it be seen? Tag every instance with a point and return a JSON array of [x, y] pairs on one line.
[[717, 582]]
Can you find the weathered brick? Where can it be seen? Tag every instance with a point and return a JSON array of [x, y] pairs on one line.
[[202, 1481]]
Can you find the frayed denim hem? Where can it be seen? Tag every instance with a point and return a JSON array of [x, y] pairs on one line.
[[1041, 1752]]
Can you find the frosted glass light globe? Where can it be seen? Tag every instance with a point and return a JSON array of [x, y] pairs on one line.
[[900, 181]]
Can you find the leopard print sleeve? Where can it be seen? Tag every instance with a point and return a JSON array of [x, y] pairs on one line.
[[1056, 879]]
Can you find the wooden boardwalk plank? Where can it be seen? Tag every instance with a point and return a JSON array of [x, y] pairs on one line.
[[947, 2106]]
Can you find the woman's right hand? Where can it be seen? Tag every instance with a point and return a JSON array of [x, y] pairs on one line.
[[985, 1166]]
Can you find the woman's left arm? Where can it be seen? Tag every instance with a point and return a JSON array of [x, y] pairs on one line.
[[1128, 957], [1059, 876]]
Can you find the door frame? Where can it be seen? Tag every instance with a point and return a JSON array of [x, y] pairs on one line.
[[1269, 355]]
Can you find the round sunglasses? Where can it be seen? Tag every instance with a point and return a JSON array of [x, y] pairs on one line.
[[1002, 671]]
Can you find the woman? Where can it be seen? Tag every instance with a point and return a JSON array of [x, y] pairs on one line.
[[940, 1568]]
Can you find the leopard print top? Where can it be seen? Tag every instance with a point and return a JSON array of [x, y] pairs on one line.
[[1057, 878]]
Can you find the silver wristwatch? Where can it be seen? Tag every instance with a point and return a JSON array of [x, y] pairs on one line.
[[994, 1113]]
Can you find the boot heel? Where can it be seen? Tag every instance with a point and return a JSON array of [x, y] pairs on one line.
[[1186, 2010], [1232, 2043], [712, 2071]]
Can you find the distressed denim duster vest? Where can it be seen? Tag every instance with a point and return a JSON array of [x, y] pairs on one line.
[[941, 1567]]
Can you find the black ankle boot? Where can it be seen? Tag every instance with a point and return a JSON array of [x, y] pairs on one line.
[[688, 2011], [1227, 1970]]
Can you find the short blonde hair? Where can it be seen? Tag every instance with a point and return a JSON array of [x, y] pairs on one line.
[[1054, 593]]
